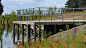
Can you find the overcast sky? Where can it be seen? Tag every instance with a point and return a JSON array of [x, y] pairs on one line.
[[14, 5]]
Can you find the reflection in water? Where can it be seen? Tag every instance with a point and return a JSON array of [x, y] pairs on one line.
[[0, 41], [1, 32], [6, 36]]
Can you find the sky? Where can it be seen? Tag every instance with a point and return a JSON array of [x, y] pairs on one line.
[[13, 5]]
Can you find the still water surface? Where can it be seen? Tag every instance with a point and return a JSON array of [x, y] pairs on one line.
[[7, 40]]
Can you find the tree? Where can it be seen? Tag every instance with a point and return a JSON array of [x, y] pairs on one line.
[[1, 8], [75, 3], [13, 16]]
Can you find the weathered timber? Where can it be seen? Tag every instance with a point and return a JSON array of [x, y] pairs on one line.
[[13, 33], [34, 33], [17, 32], [22, 34], [28, 33]]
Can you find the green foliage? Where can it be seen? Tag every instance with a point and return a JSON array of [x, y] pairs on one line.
[[60, 42], [13, 16], [61, 30], [78, 24], [7, 17], [68, 40], [63, 10], [49, 10], [67, 27], [53, 9], [31, 12], [75, 3]]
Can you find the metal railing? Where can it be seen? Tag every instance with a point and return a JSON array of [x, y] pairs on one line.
[[52, 14]]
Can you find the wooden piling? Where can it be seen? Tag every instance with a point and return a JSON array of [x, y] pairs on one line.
[[34, 33], [40, 33], [54, 29], [17, 32], [13, 33], [28, 33], [22, 34]]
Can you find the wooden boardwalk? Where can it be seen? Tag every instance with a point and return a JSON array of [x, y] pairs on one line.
[[49, 22], [48, 25], [53, 24]]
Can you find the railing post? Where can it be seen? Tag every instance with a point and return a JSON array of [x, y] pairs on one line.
[[51, 14], [29, 15], [73, 14], [18, 15], [83, 13], [45, 14], [26, 14], [33, 14], [62, 14], [39, 14], [23, 14], [54, 15]]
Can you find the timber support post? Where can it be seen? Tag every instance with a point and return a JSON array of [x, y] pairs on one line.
[[40, 33], [54, 29], [17, 32], [22, 34], [34, 33], [13, 32], [28, 33]]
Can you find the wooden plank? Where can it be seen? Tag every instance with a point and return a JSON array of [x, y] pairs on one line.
[[23, 22], [59, 22], [53, 23]]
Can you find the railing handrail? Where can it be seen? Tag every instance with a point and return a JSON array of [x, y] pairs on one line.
[[50, 12]]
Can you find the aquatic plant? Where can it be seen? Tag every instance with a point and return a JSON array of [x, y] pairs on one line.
[[74, 32]]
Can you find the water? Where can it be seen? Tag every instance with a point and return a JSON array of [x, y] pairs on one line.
[[7, 40], [7, 37]]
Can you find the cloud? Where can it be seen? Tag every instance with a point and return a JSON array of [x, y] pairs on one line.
[[29, 0], [39, 0], [54, 2], [21, 3]]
